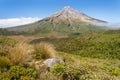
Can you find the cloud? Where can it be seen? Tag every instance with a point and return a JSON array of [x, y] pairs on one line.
[[114, 25], [110, 25], [16, 21]]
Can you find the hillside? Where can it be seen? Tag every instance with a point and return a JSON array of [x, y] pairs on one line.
[[113, 31], [65, 21], [5, 32], [90, 56], [91, 44]]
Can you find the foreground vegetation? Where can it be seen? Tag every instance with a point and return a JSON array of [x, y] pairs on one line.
[[89, 56]]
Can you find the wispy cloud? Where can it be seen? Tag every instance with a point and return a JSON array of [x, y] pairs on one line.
[[113, 25], [16, 21]]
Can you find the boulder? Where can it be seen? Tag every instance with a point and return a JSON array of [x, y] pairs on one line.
[[48, 63], [52, 61]]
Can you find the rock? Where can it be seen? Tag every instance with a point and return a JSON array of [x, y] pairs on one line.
[[48, 63], [52, 61]]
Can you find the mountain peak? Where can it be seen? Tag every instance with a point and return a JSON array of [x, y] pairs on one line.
[[67, 7], [70, 14]]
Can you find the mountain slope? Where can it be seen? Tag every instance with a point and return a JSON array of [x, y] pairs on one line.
[[66, 20]]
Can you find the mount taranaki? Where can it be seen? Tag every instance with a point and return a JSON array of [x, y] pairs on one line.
[[67, 20]]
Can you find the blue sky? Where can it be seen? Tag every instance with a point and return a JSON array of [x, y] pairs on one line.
[[108, 10]]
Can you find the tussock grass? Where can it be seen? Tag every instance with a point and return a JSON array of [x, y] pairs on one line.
[[19, 54], [44, 50]]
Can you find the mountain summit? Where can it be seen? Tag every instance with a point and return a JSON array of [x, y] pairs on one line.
[[67, 20], [71, 15]]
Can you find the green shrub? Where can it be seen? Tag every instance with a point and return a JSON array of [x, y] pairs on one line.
[[17, 72], [68, 72], [59, 68], [26, 78], [4, 63], [4, 76], [71, 71], [30, 72], [113, 71], [105, 46]]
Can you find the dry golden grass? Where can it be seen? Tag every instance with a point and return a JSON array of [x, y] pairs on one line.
[[20, 53], [44, 50], [22, 38]]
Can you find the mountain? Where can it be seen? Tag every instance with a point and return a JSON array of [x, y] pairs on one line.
[[67, 20]]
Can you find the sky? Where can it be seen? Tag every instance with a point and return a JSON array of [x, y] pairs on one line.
[[32, 10]]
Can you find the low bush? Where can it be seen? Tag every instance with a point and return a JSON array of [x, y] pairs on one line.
[[104, 46], [4, 64], [5, 76], [68, 71], [18, 72], [112, 70], [26, 78]]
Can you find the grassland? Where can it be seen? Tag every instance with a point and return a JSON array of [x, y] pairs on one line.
[[89, 56]]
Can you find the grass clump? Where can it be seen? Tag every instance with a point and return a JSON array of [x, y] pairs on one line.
[[44, 50], [19, 54], [6, 41], [5, 44]]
